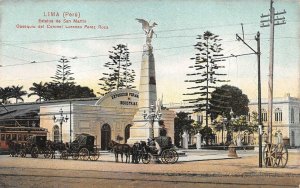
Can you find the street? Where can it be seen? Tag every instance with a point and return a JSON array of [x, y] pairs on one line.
[[239, 172]]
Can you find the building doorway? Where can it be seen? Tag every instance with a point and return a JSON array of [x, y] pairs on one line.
[[127, 132], [105, 136]]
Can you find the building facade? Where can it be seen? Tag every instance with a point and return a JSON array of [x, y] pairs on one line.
[[109, 118], [285, 119]]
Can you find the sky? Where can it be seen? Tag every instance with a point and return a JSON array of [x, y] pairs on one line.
[[179, 23]]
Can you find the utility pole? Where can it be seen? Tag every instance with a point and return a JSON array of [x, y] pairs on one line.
[[271, 21], [257, 38], [70, 121]]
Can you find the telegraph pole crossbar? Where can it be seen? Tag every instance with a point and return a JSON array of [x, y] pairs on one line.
[[272, 21]]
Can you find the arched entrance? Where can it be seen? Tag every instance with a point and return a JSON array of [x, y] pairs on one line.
[[127, 132], [105, 136]]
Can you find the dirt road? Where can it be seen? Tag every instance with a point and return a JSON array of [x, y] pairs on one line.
[[240, 172]]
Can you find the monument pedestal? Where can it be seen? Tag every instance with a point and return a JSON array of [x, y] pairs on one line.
[[142, 128], [141, 131]]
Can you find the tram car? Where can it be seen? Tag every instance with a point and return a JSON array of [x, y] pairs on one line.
[[18, 135]]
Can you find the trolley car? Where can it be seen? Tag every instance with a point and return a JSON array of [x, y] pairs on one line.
[[18, 134]]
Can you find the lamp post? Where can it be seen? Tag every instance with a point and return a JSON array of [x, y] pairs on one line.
[[151, 117], [60, 119]]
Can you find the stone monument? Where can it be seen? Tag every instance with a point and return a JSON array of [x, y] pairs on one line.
[[145, 120]]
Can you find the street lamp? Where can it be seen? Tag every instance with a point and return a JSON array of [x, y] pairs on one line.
[[151, 117], [60, 119]]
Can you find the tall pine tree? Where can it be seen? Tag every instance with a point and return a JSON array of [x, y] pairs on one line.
[[63, 78], [205, 76], [119, 74], [63, 73]]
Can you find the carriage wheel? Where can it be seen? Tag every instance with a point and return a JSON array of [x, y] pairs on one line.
[[34, 152], [94, 156], [175, 156], [146, 158], [167, 156], [84, 154], [75, 156], [269, 155], [23, 153], [281, 156], [64, 155], [162, 157]]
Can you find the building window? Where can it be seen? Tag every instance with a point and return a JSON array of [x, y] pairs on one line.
[[199, 118], [2, 137], [292, 116], [264, 115], [56, 133], [278, 115]]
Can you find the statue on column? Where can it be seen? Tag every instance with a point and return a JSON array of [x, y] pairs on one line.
[[148, 30]]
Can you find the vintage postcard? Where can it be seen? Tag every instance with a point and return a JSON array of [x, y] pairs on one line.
[[128, 93]]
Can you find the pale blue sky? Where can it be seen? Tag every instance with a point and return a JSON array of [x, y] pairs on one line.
[[178, 24]]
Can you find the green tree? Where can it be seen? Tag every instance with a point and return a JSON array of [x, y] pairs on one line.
[[38, 89], [253, 122], [228, 97], [119, 74], [207, 134], [54, 91], [5, 94], [81, 92], [17, 93], [62, 79], [204, 75], [63, 73], [182, 122]]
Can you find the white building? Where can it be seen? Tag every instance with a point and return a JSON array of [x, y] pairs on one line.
[[108, 118], [286, 118]]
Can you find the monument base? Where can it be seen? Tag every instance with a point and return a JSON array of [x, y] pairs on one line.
[[142, 131]]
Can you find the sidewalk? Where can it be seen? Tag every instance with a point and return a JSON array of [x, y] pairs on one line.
[[190, 155]]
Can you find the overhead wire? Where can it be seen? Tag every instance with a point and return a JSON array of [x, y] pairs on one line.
[[125, 34]]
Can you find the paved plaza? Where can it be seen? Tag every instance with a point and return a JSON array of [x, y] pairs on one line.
[[203, 168]]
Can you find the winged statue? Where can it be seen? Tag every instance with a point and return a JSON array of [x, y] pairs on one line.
[[147, 28]]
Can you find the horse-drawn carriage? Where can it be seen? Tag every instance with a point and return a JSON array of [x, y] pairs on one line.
[[160, 149], [81, 148], [36, 145]]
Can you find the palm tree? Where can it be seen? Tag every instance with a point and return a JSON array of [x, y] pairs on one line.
[[38, 89], [17, 92], [5, 94]]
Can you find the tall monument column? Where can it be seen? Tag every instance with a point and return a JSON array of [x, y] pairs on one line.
[[142, 125]]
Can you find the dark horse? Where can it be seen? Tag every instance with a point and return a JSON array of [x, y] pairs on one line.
[[121, 149], [138, 150], [55, 146], [13, 147]]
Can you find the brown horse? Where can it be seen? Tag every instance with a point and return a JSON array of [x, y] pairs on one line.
[[120, 149], [13, 147], [55, 146]]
